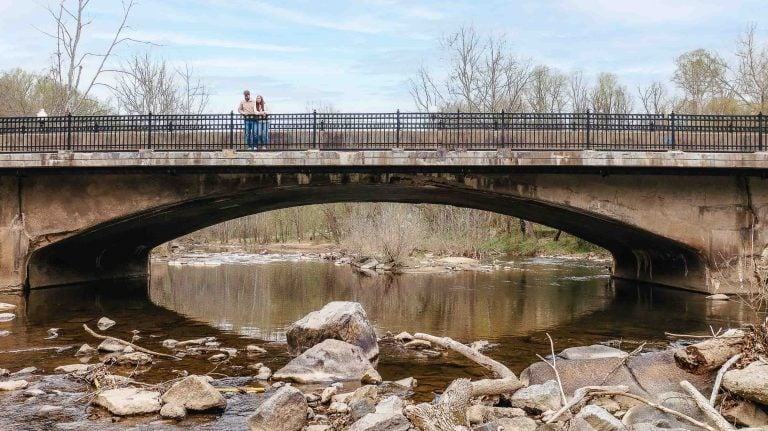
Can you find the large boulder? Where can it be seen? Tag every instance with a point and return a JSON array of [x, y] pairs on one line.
[[286, 410], [538, 398], [750, 383], [129, 401], [329, 361], [388, 416], [646, 375], [194, 393], [338, 320]]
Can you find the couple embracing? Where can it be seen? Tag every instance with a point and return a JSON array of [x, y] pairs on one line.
[[255, 117]]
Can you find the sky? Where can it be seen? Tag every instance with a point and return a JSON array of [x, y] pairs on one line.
[[358, 56]]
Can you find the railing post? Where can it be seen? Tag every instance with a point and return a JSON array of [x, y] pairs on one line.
[[149, 130], [673, 138], [760, 131], [69, 131], [589, 138], [231, 129], [501, 124], [314, 128], [397, 138]]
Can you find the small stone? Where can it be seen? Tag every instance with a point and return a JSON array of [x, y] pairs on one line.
[[170, 343], [403, 337], [480, 345], [173, 411], [46, 409], [111, 346], [33, 393], [338, 407], [360, 408], [7, 317], [135, 358], [718, 297], [371, 376], [129, 349], [252, 348], [26, 370], [105, 323], [408, 382], [218, 357], [212, 344], [86, 350], [73, 368], [13, 385], [264, 373], [4, 372], [194, 393], [418, 344], [129, 401], [325, 396], [517, 424], [310, 413], [229, 351], [5, 333], [600, 419], [277, 385], [4, 306]]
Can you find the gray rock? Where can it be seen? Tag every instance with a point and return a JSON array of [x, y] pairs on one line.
[[517, 424], [600, 419], [338, 407], [33, 392], [7, 317], [371, 376], [391, 404], [674, 400], [339, 320], [750, 383], [111, 346], [478, 413], [194, 393], [173, 411], [744, 413], [286, 410], [105, 323], [129, 401], [329, 361], [364, 392], [13, 385], [73, 368], [170, 343], [381, 422], [47, 409], [325, 396], [86, 350], [408, 382], [538, 398], [24, 371], [319, 427], [264, 373], [135, 358], [595, 351], [360, 408]]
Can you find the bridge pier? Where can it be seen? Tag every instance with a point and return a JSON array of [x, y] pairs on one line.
[[87, 217]]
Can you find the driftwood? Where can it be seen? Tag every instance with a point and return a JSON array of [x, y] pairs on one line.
[[448, 414], [127, 343], [708, 410], [495, 386], [706, 356], [497, 368], [675, 413], [584, 393], [719, 379]]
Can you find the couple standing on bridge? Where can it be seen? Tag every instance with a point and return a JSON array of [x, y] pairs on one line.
[[255, 117]]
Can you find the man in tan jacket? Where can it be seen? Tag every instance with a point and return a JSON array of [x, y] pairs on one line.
[[247, 109]]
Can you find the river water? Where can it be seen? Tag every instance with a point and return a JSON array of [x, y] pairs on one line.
[[253, 303]]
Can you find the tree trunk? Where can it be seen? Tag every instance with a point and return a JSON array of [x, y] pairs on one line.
[[706, 356]]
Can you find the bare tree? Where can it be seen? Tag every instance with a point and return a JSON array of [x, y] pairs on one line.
[[547, 90], [654, 98], [700, 75], [194, 93], [578, 92], [609, 97], [69, 59], [750, 83]]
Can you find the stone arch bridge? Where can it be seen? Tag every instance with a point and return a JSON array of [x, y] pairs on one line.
[[683, 219]]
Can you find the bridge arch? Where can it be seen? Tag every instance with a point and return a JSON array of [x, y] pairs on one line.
[[112, 239]]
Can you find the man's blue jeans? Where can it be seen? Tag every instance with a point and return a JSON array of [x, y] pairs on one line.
[[250, 133], [262, 132]]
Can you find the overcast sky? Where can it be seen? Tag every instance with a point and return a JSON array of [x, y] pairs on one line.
[[359, 55]]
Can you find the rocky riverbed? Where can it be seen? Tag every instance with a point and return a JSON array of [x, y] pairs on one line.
[[331, 382]]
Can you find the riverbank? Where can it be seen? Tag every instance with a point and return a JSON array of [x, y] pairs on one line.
[[113, 384]]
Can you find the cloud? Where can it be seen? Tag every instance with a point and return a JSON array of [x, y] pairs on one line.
[[648, 12], [184, 39]]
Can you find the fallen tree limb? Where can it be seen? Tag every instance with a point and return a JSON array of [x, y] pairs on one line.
[[499, 369], [710, 354], [583, 393], [675, 413], [703, 404], [495, 386], [719, 379], [448, 414], [127, 343]]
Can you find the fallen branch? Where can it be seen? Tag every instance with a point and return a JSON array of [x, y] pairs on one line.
[[675, 413], [448, 414], [553, 365], [499, 369], [719, 379], [127, 343], [669, 334], [585, 392], [703, 404], [495, 386]]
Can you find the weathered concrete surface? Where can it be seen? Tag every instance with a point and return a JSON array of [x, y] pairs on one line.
[[670, 218]]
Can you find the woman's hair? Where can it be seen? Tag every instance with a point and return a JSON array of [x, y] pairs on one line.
[[260, 103]]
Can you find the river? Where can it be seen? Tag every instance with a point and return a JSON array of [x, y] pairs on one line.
[[252, 303]]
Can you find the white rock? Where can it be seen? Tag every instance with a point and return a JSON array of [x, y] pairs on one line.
[[105, 323], [25, 370], [86, 350], [7, 317], [264, 373], [4, 306], [129, 401], [718, 297], [173, 411], [195, 394], [111, 346], [286, 410], [4, 333], [325, 396], [128, 349], [218, 357], [13, 385], [73, 368], [338, 408], [170, 343], [408, 382], [252, 348]]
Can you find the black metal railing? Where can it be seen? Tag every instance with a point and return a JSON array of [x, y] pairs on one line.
[[380, 131]]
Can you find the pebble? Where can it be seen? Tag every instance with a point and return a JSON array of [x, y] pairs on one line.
[[4, 306], [13, 385], [105, 323], [252, 348], [86, 350], [5, 333], [33, 393], [7, 317]]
